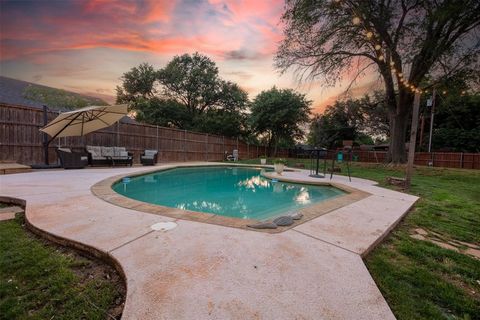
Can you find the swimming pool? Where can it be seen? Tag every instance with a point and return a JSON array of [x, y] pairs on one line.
[[237, 192]]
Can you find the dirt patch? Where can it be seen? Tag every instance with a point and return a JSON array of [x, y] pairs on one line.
[[455, 245]]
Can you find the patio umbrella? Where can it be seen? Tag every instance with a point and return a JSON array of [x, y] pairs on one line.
[[82, 121]]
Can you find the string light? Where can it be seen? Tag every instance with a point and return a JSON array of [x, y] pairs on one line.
[[378, 47]]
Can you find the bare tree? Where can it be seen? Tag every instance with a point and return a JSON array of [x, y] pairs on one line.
[[412, 44]]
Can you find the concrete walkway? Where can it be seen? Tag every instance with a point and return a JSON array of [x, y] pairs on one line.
[[205, 271]]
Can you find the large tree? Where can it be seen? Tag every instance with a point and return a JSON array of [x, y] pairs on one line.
[[360, 120], [279, 115], [187, 93], [407, 42]]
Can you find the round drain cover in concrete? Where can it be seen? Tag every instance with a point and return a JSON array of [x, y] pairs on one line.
[[163, 226]]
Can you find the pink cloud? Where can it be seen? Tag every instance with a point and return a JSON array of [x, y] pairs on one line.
[[241, 35]]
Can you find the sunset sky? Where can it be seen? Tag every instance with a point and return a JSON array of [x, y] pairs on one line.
[[85, 46]]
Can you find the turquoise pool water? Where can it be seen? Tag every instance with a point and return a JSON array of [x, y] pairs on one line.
[[238, 192]]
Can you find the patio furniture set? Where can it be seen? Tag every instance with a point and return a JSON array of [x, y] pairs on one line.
[[102, 156]]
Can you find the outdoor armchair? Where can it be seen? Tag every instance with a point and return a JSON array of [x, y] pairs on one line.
[[149, 157], [72, 160]]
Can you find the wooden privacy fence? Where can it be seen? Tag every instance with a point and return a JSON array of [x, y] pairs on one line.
[[21, 140], [434, 159]]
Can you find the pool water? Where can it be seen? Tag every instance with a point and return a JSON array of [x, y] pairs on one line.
[[238, 192]]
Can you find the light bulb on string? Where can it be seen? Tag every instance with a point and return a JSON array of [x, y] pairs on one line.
[[378, 47], [380, 57], [392, 63], [369, 35], [356, 20]]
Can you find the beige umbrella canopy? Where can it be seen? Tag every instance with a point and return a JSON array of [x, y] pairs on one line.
[[82, 121]]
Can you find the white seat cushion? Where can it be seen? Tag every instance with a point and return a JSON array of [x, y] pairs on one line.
[[119, 151], [107, 151], [95, 151], [150, 152]]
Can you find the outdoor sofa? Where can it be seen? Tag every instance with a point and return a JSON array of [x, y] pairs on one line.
[[72, 160], [149, 157], [112, 156]]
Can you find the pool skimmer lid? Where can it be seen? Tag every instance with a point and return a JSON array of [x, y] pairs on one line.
[[163, 226]]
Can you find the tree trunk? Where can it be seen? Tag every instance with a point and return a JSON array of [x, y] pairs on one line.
[[398, 129], [399, 120]]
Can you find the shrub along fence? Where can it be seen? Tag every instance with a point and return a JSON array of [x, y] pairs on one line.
[[21, 140]]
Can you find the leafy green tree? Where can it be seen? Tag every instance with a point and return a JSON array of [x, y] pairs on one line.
[[279, 115], [191, 80], [188, 94], [165, 113], [138, 85], [352, 119], [457, 123], [220, 122], [405, 41]]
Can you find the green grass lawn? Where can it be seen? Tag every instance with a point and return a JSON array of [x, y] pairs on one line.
[[421, 280], [41, 281]]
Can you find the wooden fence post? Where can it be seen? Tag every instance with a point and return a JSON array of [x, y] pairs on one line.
[[117, 142], [223, 147], [157, 139], [185, 145], [206, 147]]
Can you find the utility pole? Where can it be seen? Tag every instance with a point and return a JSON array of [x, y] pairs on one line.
[[413, 140], [431, 121]]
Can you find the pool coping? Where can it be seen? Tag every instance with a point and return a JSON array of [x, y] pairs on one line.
[[103, 190]]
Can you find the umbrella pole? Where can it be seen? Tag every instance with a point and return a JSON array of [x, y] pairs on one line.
[[47, 142]]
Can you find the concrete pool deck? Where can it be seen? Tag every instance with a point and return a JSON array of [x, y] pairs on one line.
[[205, 271]]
